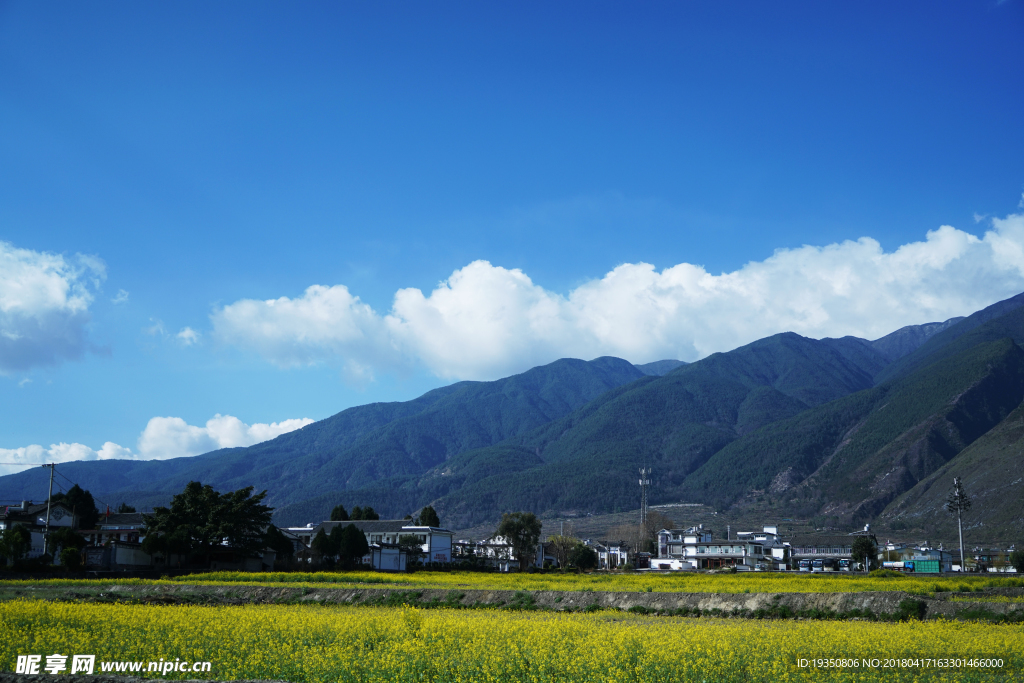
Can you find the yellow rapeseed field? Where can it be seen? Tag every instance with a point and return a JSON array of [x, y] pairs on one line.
[[690, 582], [337, 643]]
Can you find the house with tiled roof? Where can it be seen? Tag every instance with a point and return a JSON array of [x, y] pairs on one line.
[[34, 517]]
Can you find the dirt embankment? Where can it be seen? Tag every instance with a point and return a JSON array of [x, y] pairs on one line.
[[890, 604]]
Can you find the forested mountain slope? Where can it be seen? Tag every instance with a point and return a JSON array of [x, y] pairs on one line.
[[673, 423], [992, 470], [853, 456], [846, 428], [1002, 319], [359, 445]]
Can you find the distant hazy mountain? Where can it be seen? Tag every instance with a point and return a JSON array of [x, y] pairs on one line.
[[907, 339], [948, 341], [660, 367]]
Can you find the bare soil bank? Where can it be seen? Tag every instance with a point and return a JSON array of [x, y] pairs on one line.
[[865, 605]]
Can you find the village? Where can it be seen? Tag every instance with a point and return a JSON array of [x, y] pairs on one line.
[[115, 543]]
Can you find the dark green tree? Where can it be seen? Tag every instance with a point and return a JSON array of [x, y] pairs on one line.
[[63, 538], [71, 558], [410, 543], [428, 517], [864, 551], [352, 545], [15, 543], [81, 504], [365, 513], [124, 507], [1017, 560], [244, 520], [200, 518], [338, 514], [322, 546], [335, 538], [521, 530], [583, 557], [279, 543]]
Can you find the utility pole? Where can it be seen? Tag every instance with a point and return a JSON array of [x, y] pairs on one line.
[[959, 502], [46, 533], [645, 481]]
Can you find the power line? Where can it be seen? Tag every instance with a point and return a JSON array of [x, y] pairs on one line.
[[75, 483]]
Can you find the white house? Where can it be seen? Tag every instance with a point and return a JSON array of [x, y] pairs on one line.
[[388, 557], [610, 555], [435, 542], [33, 516], [776, 552], [497, 552], [697, 547]]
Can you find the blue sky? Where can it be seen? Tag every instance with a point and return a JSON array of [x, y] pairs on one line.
[[205, 158]]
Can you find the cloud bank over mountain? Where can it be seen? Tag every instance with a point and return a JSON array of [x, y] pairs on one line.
[[44, 306], [163, 438], [486, 321]]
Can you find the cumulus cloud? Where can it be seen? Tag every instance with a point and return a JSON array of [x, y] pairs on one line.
[[18, 459], [188, 336], [486, 321], [120, 298], [163, 438], [324, 321], [172, 437], [44, 306], [156, 328]]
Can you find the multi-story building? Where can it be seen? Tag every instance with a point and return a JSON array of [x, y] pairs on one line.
[[695, 548], [776, 551], [820, 552]]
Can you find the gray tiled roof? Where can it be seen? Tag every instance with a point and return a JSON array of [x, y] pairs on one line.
[[820, 541], [121, 519], [369, 526]]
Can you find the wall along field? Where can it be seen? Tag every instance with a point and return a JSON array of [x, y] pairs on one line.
[[317, 643], [695, 582]]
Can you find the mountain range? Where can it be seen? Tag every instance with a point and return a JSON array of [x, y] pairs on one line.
[[846, 430]]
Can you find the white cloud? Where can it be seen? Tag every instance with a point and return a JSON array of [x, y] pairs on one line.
[[979, 217], [33, 456], [188, 336], [44, 306], [156, 329], [163, 437], [121, 298], [486, 321], [172, 437], [323, 322]]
